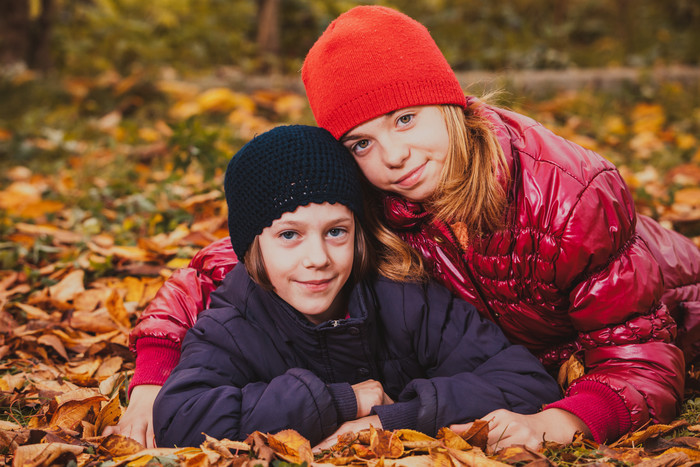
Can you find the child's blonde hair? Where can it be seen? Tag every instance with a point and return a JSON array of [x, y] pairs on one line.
[[469, 192]]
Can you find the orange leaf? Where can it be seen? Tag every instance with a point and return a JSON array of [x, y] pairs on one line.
[[69, 287], [570, 370], [32, 455], [55, 343], [116, 309], [291, 446], [385, 443], [118, 445], [452, 439]]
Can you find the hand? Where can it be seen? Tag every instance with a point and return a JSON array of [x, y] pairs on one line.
[[368, 394], [351, 426], [507, 428], [137, 421]]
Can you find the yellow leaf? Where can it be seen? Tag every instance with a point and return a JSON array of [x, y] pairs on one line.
[[116, 309], [648, 118], [452, 440], [291, 446], [224, 100], [689, 196], [178, 263]]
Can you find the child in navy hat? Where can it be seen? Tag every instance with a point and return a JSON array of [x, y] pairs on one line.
[[304, 335]]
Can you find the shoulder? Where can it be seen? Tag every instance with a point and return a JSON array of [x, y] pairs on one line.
[[541, 154], [417, 304]]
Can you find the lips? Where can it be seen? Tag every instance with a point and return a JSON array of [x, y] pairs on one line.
[[411, 178], [316, 285]]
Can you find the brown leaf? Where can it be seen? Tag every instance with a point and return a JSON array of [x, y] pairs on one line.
[[70, 286], [60, 235], [74, 407], [55, 343], [452, 440], [385, 443], [478, 434], [116, 309], [36, 455], [118, 446], [475, 458], [109, 415], [570, 370], [640, 436], [291, 446], [666, 460]]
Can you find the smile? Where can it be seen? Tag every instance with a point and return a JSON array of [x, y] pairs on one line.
[[316, 286], [411, 178]]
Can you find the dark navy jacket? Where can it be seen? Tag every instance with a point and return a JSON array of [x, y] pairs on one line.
[[252, 362]]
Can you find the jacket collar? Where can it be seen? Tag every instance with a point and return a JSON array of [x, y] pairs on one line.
[[257, 304]]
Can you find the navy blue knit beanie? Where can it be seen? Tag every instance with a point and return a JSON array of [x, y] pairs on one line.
[[282, 169]]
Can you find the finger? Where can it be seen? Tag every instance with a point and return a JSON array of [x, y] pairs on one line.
[[150, 436], [110, 430]]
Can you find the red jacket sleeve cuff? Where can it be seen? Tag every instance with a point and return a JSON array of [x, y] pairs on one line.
[[155, 359], [599, 407]]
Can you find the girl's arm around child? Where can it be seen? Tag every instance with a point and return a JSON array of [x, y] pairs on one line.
[[445, 363]]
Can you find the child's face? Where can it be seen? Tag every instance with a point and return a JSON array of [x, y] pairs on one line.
[[403, 151], [308, 256]]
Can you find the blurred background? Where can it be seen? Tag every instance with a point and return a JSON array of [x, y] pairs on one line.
[[92, 36], [117, 117]]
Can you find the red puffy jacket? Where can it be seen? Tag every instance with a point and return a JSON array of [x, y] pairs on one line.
[[575, 271]]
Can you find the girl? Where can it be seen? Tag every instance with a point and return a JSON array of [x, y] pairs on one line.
[[297, 334], [539, 233]]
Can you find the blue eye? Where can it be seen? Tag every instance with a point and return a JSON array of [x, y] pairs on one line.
[[337, 232], [288, 235]]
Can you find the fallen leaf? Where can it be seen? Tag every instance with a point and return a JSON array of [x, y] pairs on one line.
[[291, 446]]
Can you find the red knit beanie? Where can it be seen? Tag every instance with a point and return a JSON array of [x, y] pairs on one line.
[[370, 61]]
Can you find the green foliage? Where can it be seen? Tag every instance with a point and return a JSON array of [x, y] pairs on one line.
[[99, 35]]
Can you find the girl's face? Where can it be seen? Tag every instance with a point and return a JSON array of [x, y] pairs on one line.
[[403, 151], [308, 256]]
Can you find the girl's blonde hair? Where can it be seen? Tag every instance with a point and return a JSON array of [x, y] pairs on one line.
[[363, 260], [468, 192]]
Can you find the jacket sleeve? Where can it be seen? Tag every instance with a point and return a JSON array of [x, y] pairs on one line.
[[215, 390], [471, 368], [157, 336], [634, 372]]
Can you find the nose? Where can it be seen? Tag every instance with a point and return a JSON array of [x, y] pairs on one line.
[[396, 154], [316, 255]]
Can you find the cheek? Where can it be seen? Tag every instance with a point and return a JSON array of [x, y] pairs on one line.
[[370, 169]]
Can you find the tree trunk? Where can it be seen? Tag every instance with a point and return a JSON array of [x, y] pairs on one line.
[[39, 57], [14, 25], [268, 38]]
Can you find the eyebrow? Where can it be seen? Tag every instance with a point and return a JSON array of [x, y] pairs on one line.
[[347, 138], [336, 220]]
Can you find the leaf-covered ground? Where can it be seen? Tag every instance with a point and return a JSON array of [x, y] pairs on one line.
[[108, 184]]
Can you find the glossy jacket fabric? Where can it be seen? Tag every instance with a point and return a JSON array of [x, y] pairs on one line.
[[576, 271], [252, 362]]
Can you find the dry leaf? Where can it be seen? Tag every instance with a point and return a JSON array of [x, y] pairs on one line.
[[570, 371], [291, 446], [39, 455], [68, 287], [385, 443]]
